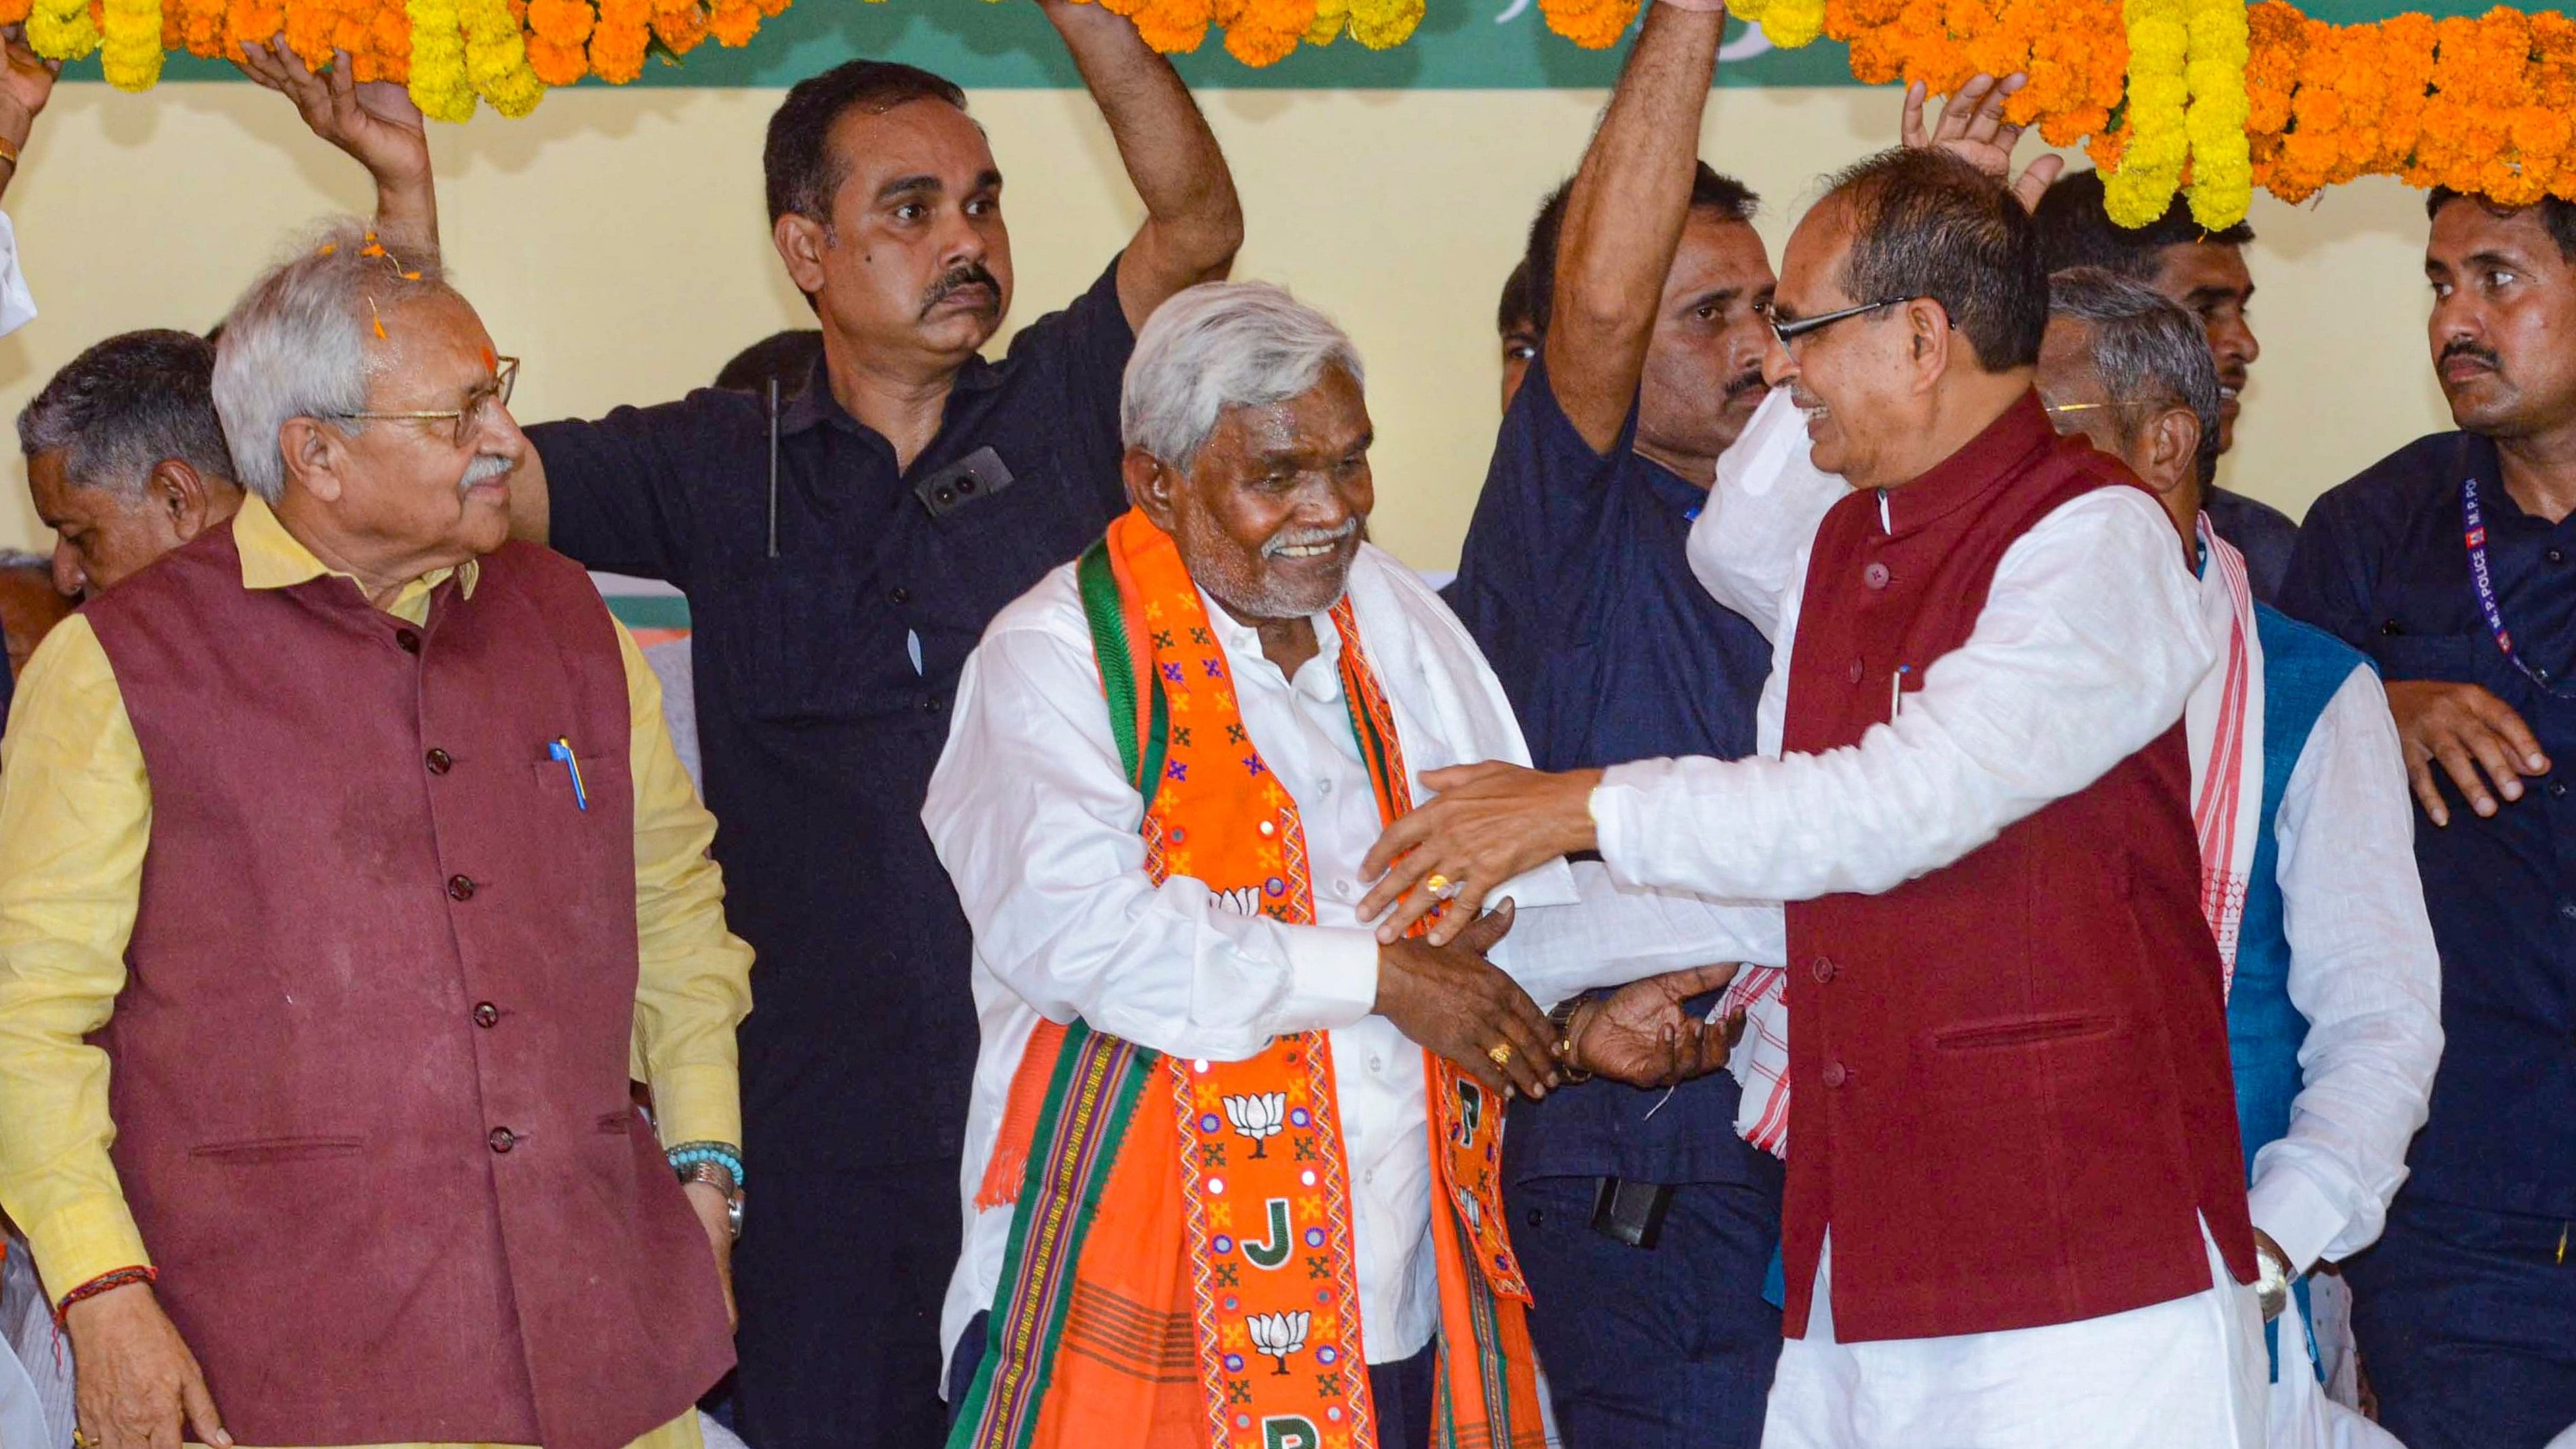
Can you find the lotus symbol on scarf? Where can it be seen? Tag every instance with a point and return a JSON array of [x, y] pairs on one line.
[[1277, 1335], [1259, 1116]]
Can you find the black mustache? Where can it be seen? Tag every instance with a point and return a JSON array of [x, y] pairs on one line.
[[972, 274], [1749, 382], [2463, 347]]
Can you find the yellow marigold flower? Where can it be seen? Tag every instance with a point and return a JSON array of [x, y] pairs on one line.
[[130, 43], [1378, 24], [61, 29], [438, 84], [1790, 24], [1331, 16]]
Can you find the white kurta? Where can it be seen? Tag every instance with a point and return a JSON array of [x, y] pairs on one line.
[[2366, 977], [2087, 649], [1032, 814]]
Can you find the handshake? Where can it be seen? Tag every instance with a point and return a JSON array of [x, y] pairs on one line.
[[1452, 1000]]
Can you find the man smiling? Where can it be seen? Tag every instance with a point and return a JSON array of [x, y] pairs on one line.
[[1169, 963], [2015, 1212]]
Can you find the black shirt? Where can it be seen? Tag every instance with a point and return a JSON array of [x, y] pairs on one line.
[[2382, 562], [823, 680], [1576, 583], [2261, 532]]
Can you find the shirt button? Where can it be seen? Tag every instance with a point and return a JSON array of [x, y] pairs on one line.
[[407, 640], [440, 762], [460, 888], [931, 703], [486, 1014], [1824, 969], [1854, 672], [1324, 787], [1266, 828], [2556, 555], [1875, 576], [2557, 789], [1836, 1074], [2391, 628], [1377, 1064], [502, 1139], [2567, 909], [899, 595]]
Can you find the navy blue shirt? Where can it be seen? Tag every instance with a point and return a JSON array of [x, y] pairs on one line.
[[1575, 582], [2382, 562], [823, 681], [2261, 532]]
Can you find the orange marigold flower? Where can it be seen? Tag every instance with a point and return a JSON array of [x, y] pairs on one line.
[[733, 25], [555, 62], [680, 28]]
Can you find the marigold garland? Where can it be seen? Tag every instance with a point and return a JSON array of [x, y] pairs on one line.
[[130, 43], [2205, 95]]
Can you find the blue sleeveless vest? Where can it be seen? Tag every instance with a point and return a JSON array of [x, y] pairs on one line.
[[2302, 670]]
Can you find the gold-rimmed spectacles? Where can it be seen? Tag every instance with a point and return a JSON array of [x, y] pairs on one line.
[[468, 419]]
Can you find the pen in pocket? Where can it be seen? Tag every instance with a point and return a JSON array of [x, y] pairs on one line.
[[560, 748]]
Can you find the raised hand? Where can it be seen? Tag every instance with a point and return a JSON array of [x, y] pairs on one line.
[[1973, 128], [135, 1384], [25, 85], [1453, 1001], [2465, 730], [375, 122], [1643, 1035]]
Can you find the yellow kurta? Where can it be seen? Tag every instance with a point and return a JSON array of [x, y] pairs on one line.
[[75, 817]]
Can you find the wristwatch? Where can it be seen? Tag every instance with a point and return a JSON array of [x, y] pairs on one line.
[[713, 1174], [2272, 1288], [1562, 1018]]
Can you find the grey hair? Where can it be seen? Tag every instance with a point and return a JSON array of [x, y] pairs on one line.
[[295, 345], [1222, 345], [124, 407], [2147, 350]]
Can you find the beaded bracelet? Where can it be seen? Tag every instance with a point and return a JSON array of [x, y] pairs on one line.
[[722, 1154], [102, 1283]]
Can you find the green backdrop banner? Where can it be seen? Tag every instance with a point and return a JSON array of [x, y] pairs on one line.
[[1006, 44]]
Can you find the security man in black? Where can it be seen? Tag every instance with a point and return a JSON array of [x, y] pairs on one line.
[[842, 546]]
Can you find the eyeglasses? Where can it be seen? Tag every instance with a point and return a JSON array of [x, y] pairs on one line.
[[469, 418], [1789, 332]]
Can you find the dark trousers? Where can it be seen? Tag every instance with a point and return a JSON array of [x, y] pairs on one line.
[[2466, 1321], [1401, 1391], [1652, 1348], [840, 1276]]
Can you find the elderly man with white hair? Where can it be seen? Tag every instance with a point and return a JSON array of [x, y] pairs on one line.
[[1231, 1164], [346, 878]]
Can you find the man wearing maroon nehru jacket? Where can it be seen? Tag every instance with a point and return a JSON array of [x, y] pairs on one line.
[[2016, 1214], [347, 876]]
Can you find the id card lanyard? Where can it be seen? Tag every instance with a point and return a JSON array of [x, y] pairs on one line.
[[2482, 579]]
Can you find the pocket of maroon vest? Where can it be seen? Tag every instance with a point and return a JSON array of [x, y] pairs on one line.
[[2024, 1031], [259, 1151]]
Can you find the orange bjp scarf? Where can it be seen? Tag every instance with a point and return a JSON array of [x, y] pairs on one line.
[[1180, 1272]]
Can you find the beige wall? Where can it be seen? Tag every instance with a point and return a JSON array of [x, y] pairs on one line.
[[614, 240]]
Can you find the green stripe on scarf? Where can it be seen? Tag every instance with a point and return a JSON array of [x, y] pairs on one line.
[[1053, 1272], [1117, 656]]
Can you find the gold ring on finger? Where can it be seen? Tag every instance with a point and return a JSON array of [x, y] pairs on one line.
[[1499, 1054]]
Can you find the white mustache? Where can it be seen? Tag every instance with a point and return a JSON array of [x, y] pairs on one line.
[[487, 468], [1308, 537]]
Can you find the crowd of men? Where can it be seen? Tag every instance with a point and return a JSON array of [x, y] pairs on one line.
[[1980, 936]]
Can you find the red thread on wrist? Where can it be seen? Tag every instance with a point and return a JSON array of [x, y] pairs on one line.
[[102, 1283]]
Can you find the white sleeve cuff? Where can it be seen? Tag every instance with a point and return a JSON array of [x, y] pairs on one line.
[[1332, 977], [1622, 812], [17, 304], [2294, 1210]]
